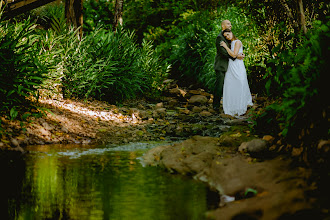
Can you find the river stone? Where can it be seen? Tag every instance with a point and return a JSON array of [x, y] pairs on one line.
[[197, 163], [159, 105], [205, 113], [176, 158], [191, 93], [198, 100], [152, 157], [255, 147], [14, 142], [197, 109]]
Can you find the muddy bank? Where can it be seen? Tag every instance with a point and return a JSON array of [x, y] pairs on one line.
[[262, 189]]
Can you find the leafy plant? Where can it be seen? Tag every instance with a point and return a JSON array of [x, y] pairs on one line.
[[300, 78], [22, 67], [97, 13], [191, 48], [111, 66]]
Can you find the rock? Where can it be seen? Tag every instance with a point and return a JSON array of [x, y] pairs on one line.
[[205, 113], [197, 109], [14, 142], [198, 100], [152, 157], [255, 147], [159, 105], [196, 163], [189, 156], [191, 93]]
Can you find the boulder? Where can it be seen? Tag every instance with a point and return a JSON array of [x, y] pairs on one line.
[[255, 147], [198, 100]]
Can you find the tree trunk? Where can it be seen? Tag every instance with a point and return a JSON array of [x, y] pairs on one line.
[[301, 16], [118, 15], [74, 15]]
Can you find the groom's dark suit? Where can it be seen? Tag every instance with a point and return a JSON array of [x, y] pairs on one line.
[[220, 67]]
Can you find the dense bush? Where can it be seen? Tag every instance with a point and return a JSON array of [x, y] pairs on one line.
[[111, 66], [22, 68], [97, 13], [300, 79], [192, 49]]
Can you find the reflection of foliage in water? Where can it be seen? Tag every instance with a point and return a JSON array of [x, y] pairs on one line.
[[108, 186]]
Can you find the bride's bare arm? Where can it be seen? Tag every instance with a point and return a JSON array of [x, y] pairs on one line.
[[234, 53]]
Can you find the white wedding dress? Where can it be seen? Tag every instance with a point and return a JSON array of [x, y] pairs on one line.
[[236, 91]]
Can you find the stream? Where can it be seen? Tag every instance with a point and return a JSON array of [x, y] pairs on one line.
[[96, 182]]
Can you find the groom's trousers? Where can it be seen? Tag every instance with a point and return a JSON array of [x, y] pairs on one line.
[[218, 87]]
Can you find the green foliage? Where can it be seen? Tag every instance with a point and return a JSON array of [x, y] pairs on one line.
[[191, 49], [22, 68], [153, 19], [299, 76], [111, 66], [98, 13]]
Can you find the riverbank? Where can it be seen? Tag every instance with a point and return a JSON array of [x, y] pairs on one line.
[[248, 187], [262, 182], [179, 114]]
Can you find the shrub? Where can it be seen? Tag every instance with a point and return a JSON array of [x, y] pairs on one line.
[[22, 68], [111, 66], [191, 49], [300, 78]]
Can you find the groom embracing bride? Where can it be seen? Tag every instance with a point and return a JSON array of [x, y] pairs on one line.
[[231, 80]]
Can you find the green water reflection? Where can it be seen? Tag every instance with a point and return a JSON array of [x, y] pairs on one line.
[[65, 183]]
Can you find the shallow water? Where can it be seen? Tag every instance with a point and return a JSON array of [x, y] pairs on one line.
[[70, 182]]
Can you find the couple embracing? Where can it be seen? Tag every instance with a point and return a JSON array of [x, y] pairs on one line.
[[231, 81]]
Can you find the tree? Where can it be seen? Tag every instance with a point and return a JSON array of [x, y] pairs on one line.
[[74, 15], [118, 14]]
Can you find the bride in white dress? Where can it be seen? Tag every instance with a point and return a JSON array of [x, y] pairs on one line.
[[236, 91]]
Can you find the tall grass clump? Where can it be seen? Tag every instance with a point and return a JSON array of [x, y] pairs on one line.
[[23, 68], [111, 66]]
